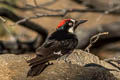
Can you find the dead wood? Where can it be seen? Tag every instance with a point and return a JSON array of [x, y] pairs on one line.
[[29, 45]]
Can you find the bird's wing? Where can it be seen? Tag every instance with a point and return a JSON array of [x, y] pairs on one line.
[[50, 50], [43, 52], [53, 46], [53, 49]]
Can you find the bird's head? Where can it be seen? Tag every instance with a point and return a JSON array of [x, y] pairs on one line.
[[69, 25]]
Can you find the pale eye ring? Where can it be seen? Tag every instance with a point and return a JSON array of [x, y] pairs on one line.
[[70, 24]]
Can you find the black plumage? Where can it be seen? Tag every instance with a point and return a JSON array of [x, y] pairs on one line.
[[59, 43]]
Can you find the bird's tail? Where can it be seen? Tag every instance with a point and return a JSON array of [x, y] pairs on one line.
[[37, 66]]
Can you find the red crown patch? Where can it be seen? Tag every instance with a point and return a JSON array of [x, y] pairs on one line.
[[62, 23]]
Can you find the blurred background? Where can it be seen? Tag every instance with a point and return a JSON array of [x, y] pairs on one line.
[[25, 24]]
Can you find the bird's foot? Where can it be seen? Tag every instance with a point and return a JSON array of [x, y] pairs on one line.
[[50, 63], [65, 58], [68, 61]]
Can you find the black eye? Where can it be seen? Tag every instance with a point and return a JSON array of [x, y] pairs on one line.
[[70, 24]]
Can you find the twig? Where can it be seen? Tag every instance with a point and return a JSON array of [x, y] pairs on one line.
[[13, 38], [38, 16], [28, 6], [64, 12], [4, 20], [43, 4], [94, 39], [47, 3], [112, 10], [28, 24], [35, 2], [108, 12]]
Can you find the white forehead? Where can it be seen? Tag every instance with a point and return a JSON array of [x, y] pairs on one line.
[[72, 20]]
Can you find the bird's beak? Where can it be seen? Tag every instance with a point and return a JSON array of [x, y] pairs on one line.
[[79, 22]]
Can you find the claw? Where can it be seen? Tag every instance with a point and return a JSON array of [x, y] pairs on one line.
[[64, 58]]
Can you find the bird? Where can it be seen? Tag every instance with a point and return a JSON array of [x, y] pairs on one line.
[[59, 43]]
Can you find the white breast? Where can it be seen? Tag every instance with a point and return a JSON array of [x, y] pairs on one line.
[[71, 30]]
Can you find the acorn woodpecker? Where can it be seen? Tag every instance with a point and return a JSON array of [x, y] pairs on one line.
[[61, 42]]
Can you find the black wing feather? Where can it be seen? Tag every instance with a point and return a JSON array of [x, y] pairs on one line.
[[45, 53]]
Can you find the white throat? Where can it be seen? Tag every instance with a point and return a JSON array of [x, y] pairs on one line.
[[71, 30]]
